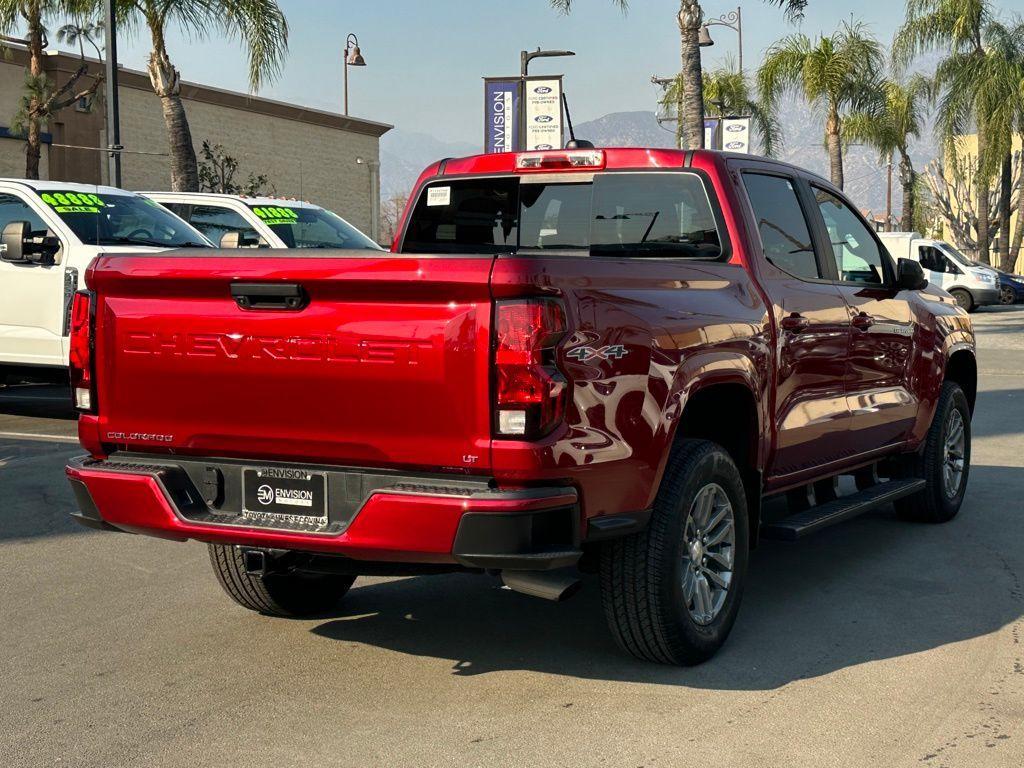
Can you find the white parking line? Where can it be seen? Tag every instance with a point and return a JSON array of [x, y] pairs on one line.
[[36, 436]]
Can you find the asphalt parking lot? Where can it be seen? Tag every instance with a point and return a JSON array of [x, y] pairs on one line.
[[878, 642]]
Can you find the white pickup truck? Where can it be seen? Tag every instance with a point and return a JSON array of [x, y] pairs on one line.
[[235, 221], [972, 285], [50, 232]]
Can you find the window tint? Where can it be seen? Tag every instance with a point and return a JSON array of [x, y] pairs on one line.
[[13, 208], [554, 216], [858, 258], [781, 223], [472, 215], [215, 221], [653, 214]]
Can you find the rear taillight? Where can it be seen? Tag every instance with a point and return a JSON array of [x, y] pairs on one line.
[[529, 391], [83, 383]]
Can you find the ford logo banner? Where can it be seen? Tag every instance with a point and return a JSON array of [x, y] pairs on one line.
[[736, 145], [733, 127], [543, 118], [542, 89]]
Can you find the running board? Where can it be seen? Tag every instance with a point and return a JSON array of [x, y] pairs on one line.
[[809, 521]]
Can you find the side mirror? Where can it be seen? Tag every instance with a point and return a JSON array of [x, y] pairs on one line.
[[910, 276], [13, 241]]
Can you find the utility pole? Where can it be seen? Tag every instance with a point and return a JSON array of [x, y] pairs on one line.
[[113, 108]]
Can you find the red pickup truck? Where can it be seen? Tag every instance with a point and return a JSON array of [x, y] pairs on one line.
[[608, 361]]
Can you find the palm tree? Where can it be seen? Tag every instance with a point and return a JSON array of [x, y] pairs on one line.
[[889, 129], [956, 26], [259, 23], [837, 72], [985, 89], [690, 97], [730, 91], [41, 99]]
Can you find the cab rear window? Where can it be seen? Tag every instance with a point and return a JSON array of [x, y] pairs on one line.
[[614, 214]]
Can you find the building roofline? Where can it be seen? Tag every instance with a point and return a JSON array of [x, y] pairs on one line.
[[62, 61]]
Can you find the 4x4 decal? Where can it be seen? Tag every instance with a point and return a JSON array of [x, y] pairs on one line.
[[586, 354]]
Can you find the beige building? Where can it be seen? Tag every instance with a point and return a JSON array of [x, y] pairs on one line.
[[322, 157], [967, 148]]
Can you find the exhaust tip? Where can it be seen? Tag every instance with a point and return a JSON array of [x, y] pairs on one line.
[[555, 586]]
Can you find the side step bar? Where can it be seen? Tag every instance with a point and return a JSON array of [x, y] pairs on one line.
[[845, 508]]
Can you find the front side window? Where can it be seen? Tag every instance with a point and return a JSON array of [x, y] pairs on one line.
[[121, 219], [780, 221], [615, 214], [858, 257], [308, 227], [13, 208], [215, 221], [933, 259]]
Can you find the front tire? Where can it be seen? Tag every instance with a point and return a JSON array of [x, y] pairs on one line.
[[944, 461], [963, 299], [1007, 296], [671, 593], [289, 595]]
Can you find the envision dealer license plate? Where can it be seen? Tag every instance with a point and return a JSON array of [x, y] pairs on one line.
[[276, 494]]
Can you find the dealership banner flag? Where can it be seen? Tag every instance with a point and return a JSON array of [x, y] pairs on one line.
[[543, 113], [501, 111], [736, 134]]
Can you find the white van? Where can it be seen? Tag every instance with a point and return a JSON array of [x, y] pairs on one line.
[[972, 285], [50, 233], [234, 221]]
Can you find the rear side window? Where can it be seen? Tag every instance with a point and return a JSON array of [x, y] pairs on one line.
[[616, 214], [781, 223], [653, 214]]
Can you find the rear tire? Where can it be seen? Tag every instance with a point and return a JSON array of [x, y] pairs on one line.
[[963, 299], [943, 462], [289, 595], [662, 588]]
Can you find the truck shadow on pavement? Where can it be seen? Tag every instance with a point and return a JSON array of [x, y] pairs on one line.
[[871, 589]]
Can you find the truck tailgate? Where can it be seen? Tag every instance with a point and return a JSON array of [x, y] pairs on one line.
[[386, 363]]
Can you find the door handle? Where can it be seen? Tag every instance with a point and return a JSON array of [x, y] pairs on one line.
[[862, 321], [795, 323], [269, 296]]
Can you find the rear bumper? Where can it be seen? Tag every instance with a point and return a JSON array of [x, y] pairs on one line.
[[463, 523]]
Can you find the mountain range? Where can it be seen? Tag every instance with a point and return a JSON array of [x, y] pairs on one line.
[[405, 154]]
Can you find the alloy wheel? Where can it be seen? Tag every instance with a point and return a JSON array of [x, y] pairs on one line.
[[709, 537], [954, 460]]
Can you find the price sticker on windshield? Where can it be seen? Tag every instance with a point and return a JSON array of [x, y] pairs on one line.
[[273, 215], [439, 196], [74, 202]]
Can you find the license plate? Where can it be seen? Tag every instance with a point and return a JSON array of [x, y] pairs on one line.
[[294, 495]]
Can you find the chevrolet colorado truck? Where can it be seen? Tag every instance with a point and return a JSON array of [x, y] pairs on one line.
[[630, 362]]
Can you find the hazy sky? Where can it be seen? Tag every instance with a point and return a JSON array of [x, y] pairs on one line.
[[425, 59]]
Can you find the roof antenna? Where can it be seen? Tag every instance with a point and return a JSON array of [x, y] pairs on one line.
[[574, 143]]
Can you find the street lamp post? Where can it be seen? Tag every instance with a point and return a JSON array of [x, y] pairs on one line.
[[525, 57], [353, 58], [113, 106], [733, 20]]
